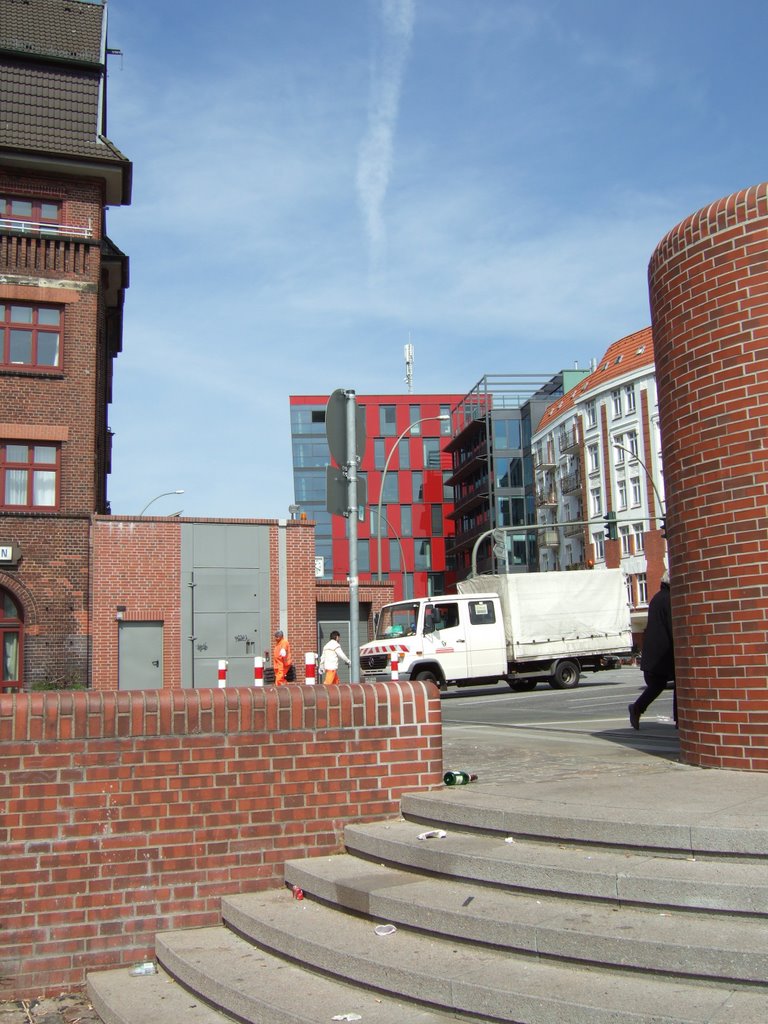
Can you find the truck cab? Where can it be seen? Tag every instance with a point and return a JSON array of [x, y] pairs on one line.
[[446, 639]]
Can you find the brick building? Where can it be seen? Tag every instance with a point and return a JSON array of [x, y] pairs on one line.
[[87, 598], [61, 295]]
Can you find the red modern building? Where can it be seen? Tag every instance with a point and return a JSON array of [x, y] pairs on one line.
[[404, 467]]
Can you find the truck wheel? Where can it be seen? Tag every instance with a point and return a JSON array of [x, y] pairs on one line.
[[565, 676], [430, 677], [522, 685]]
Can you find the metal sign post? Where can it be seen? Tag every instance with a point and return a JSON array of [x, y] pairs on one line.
[[345, 494], [352, 511]]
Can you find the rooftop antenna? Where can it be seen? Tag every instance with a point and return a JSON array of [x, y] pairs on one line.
[[408, 353]]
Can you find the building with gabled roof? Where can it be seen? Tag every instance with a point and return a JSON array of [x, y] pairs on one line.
[[598, 471]]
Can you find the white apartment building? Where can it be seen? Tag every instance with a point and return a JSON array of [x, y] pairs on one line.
[[597, 453]]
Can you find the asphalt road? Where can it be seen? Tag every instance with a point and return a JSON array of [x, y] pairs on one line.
[[504, 735]]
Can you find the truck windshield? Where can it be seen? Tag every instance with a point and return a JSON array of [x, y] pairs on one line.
[[397, 620]]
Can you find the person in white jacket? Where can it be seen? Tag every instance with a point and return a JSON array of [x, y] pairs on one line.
[[329, 659]]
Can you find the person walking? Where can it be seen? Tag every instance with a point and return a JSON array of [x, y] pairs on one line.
[[329, 659], [281, 658], [657, 659]]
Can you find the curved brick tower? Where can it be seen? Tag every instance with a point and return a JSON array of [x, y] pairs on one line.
[[708, 283]]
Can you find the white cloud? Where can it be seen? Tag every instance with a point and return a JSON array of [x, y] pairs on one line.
[[377, 147]]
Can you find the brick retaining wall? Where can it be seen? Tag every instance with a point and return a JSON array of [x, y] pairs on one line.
[[131, 812]]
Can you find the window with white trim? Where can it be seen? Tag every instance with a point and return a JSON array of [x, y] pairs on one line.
[[626, 546], [598, 542], [616, 404], [637, 494], [591, 413], [29, 475], [593, 453], [639, 532], [629, 397], [621, 493]]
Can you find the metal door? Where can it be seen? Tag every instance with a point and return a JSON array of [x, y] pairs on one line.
[[140, 655]]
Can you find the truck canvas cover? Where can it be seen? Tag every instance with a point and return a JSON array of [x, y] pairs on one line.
[[551, 614]]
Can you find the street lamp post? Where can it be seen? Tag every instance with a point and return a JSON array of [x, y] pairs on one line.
[[402, 555], [157, 496], [398, 439]]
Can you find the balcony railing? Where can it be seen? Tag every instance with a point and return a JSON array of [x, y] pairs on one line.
[[29, 227], [570, 482]]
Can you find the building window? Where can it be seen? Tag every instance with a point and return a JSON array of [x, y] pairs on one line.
[[596, 500], [387, 420], [29, 475], [394, 556], [379, 455], [593, 452], [632, 443], [616, 404], [436, 515], [637, 495], [431, 452], [445, 426], [422, 555], [626, 546], [31, 335], [389, 489], [30, 211], [618, 449], [414, 415], [598, 540], [417, 486], [406, 521], [621, 493], [11, 636], [363, 556], [404, 453], [642, 588], [629, 397], [639, 531], [591, 412]]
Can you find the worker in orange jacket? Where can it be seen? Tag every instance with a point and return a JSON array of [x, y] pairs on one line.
[[281, 658]]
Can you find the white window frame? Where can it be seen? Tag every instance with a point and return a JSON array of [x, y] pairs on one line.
[[616, 404]]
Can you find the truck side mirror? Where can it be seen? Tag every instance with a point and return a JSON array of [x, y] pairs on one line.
[[429, 618]]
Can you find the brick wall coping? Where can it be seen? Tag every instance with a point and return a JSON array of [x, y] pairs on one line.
[[726, 214]]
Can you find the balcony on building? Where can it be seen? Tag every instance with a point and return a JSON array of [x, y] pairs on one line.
[[570, 483]]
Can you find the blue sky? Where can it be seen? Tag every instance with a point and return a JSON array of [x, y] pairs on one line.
[[319, 182]]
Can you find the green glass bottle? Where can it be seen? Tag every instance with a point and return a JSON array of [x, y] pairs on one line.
[[460, 778]]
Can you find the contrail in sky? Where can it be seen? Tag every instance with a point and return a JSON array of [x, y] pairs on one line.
[[374, 163]]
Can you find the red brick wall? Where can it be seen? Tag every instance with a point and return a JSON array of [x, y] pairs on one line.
[[127, 813], [137, 565], [709, 294]]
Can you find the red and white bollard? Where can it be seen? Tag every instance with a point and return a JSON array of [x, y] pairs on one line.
[[395, 667], [258, 671], [222, 674], [310, 662]]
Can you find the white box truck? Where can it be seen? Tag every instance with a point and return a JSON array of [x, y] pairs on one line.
[[518, 627]]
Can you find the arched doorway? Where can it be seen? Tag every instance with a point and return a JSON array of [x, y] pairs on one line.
[[11, 642]]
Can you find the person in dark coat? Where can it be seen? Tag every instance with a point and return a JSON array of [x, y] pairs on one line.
[[658, 656]]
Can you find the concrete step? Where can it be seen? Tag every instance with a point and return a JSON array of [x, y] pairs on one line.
[[665, 941], [583, 871], [250, 984], [464, 978], [709, 813], [119, 998]]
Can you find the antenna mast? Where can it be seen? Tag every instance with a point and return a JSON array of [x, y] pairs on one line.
[[408, 353]]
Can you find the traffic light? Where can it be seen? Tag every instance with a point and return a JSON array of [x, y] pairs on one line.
[[611, 529]]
